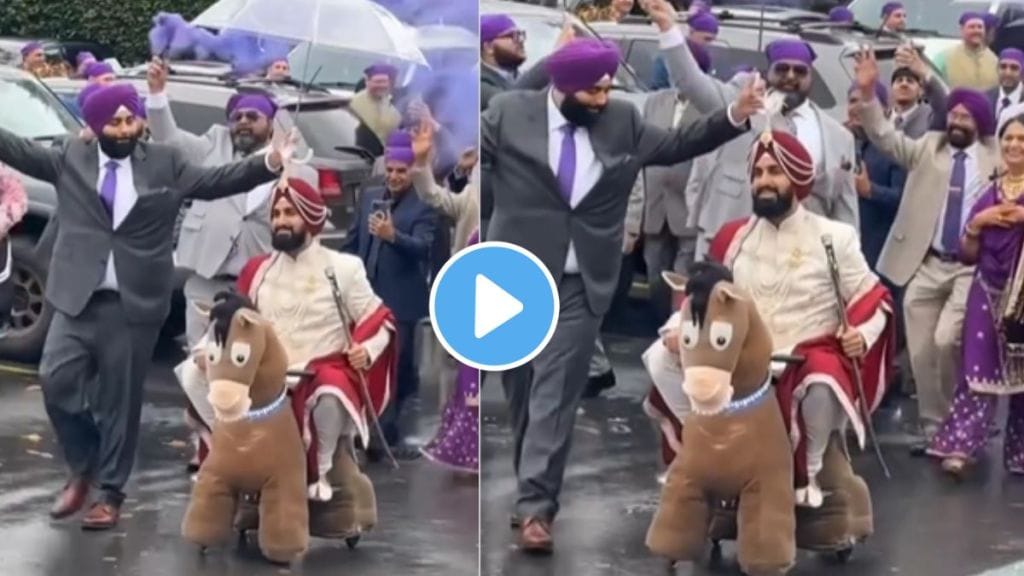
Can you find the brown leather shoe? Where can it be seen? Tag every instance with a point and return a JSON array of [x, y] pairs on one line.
[[535, 537], [102, 516], [71, 499]]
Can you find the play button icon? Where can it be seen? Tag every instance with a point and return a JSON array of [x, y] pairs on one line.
[[494, 306]]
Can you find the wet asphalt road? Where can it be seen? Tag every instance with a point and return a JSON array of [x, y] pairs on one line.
[[925, 525], [428, 518]]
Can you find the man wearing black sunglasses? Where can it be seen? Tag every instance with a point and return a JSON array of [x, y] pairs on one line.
[[217, 237], [719, 182]]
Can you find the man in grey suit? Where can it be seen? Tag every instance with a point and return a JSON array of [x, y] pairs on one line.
[[1010, 90], [560, 165], [723, 193], [110, 281]]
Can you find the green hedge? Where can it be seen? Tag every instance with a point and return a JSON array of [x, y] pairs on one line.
[[121, 24]]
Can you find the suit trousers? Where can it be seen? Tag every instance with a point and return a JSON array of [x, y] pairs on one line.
[[664, 251], [201, 290], [408, 381], [93, 372], [543, 398], [933, 308]]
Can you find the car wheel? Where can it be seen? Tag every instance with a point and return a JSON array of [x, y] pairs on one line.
[[31, 313]]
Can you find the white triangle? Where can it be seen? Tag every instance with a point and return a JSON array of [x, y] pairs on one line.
[[493, 307]]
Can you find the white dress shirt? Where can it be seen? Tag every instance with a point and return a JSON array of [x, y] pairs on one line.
[[124, 201], [974, 185], [1014, 98], [808, 131]]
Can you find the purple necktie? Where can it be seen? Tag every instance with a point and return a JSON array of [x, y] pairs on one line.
[[954, 202], [109, 188], [567, 163]]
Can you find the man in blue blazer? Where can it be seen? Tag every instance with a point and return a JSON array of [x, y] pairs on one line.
[[392, 232]]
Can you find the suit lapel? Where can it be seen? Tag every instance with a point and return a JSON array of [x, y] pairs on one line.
[[93, 183], [538, 138]]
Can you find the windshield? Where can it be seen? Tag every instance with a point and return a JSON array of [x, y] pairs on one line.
[[28, 110], [941, 16], [330, 68]]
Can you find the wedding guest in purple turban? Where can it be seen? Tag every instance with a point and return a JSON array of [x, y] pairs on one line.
[[970, 117], [840, 15], [703, 27], [494, 26], [251, 121], [373, 104], [582, 72], [789, 70], [1011, 62], [82, 61], [32, 57], [502, 53], [113, 113], [894, 17], [970, 64], [399, 139], [99, 73]]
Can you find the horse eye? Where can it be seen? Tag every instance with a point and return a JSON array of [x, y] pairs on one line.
[[721, 335], [240, 352], [212, 354], [689, 335]]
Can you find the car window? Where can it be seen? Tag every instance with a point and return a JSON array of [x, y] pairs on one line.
[[942, 16], [196, 118], [30, 111]]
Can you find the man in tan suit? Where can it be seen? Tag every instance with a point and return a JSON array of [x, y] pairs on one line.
[[947, 171], [373, 104]]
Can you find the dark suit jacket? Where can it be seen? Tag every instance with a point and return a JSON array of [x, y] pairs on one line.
[[143, 244], [398, 270], [493, 83], [528, 208], [993, 98], [878, 212]]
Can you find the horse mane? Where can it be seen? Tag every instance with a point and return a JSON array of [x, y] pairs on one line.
[[703, 277], [225, 305]]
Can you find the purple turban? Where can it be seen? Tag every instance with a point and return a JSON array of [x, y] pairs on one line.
[[977, 106], [881, 93], [797, 50], [890, 7], [582, 63], [251, 101], [399, 139], [968, 16], [704, 22], [1012, 55], [401, 154], [381, 70], [701, 55], [840, 14], [84, 57], [86, 92], [493, 26], [991, 20], [97, 69], [30, 48], [100, 106]]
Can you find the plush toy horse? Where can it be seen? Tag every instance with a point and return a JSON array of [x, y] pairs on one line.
[[256, 444], [734, 444]]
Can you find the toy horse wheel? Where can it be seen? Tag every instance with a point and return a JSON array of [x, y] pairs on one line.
[[353, 541], [843, 555], [716, 551]]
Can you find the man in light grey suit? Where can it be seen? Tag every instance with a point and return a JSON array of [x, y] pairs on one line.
[[947, 170], [110, 282], [560, 165], [723, 193]]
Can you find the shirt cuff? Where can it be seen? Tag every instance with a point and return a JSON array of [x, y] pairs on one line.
[[157, 101], [376, 344], [732, 117], [872, 329], [671, 38]]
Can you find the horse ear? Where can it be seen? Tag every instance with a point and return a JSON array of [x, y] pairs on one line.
[[249, 317], [729, 293], [674, 280], [202, 309]]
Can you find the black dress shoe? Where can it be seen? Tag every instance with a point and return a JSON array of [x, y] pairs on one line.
[[919, 449], [598, 384]]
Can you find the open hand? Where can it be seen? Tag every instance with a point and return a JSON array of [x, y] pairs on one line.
[[866, 73], [156, 76], [998, 216], [748, 102], [662, 13], [423, 142], [358, 357], [568, 33], [468, 159], [908, 57], [282, 151], [852, 342]]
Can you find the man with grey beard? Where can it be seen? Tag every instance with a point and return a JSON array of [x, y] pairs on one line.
[[216, 237]]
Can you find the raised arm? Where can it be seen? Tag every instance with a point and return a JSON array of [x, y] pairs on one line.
[[898, 146], [200, 183], [30, 157], [936, 94], [162, 126]]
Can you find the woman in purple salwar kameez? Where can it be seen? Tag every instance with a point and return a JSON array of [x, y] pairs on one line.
[[991, 365], [456, 444]]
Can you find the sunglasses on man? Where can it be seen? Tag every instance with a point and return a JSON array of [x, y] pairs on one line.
[[798, 70]]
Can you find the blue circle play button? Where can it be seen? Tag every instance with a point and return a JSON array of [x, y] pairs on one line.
[[494, 306]]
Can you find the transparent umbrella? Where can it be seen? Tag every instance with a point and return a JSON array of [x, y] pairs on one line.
[[444, 37], [357, 26]]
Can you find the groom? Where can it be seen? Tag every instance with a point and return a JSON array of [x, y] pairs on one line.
[[110, 281]]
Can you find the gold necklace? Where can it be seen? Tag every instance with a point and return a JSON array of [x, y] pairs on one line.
[[1012, 187]]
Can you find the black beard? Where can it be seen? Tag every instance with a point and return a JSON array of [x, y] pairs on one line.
[[118, 148], [771, 207], [793, 100], [579, 114], [287, 240], [959, 138], [246, 143], [509, 61]]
